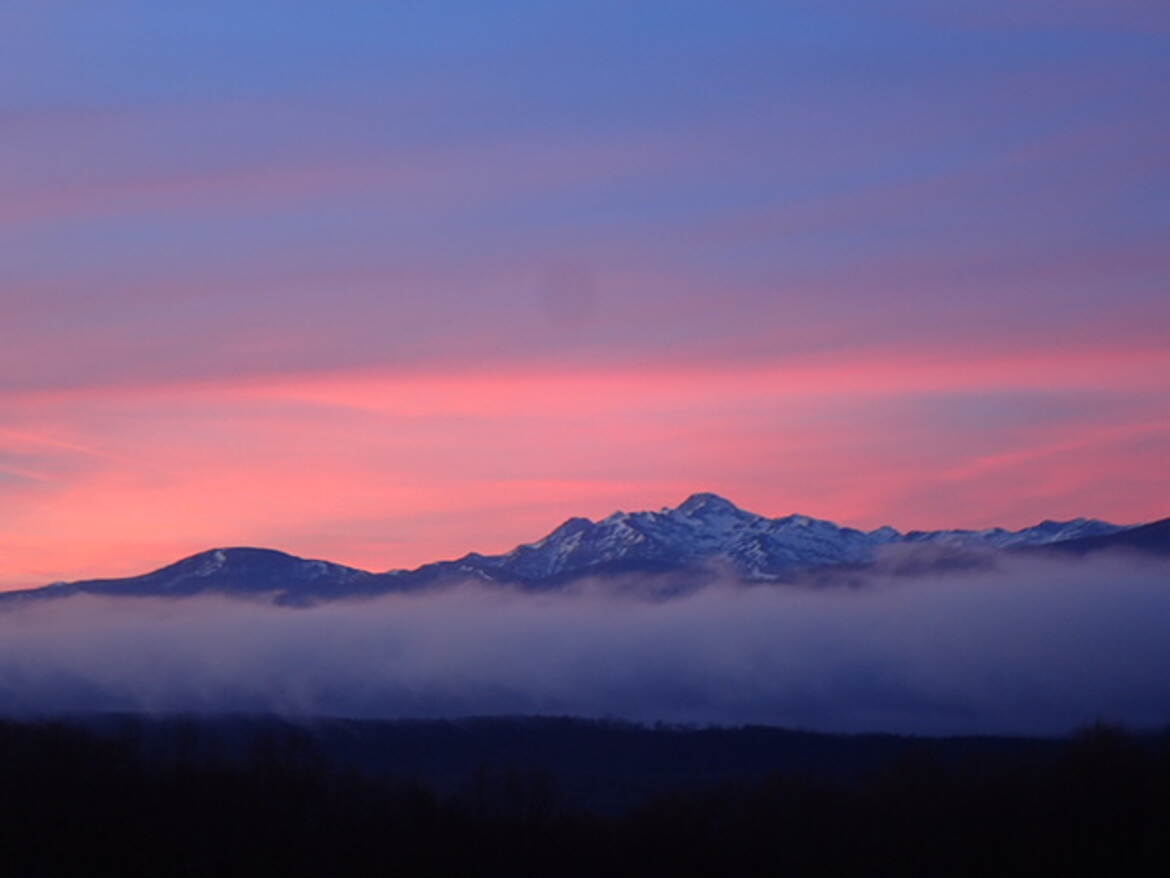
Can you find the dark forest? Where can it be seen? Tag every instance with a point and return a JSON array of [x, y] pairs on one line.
[[129, 796]]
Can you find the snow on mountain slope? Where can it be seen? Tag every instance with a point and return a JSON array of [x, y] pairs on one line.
[[1038, 535], [234, 570], [705, 528]]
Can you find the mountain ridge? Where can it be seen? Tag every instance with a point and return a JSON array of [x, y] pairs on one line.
[[685, 541]]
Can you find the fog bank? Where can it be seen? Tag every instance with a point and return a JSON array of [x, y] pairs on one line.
[[1035, 646]]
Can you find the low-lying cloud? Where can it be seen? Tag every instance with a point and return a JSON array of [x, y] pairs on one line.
[[1032, 646]]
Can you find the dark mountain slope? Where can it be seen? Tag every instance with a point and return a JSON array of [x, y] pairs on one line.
[[1153, 538]]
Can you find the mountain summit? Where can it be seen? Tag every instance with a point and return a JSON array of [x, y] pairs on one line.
[[704, 529], [706, 526]]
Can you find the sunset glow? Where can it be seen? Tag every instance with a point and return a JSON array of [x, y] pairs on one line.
[[385, 286]]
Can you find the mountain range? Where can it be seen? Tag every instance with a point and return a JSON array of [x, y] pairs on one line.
[[703, 534]]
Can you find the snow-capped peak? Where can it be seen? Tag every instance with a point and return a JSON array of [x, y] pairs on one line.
[[706, 526], [706, 504], [703, 533]]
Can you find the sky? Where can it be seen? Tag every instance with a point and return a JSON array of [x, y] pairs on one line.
[[388, 282]]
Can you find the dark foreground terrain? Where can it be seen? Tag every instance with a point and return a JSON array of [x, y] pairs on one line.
[[242, 796]]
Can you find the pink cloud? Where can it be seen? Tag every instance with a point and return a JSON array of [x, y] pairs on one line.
[[383, 469]]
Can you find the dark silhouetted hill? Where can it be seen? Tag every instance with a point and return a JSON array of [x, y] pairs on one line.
[[179, 797]]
